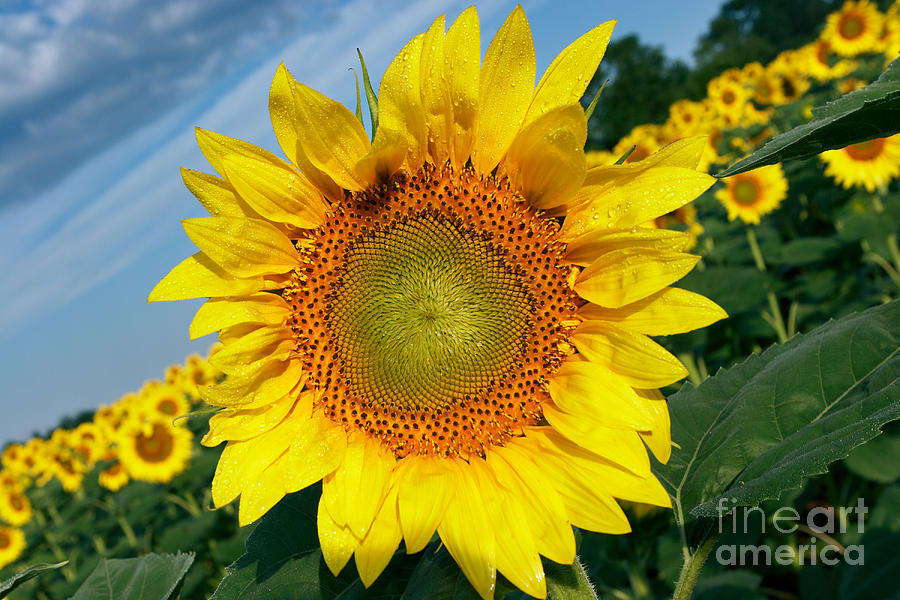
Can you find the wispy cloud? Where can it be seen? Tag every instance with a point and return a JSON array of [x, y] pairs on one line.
[[79, 75]]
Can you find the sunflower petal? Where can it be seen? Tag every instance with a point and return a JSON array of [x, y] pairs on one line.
[[591, 390], [568, 76], [546, 159], [242, 424], [198, 276], [381, 541], [315, 452], [275, 190], [659, 437], [269, 383], [462, 53], [264, 344], [624, 276], [355, 490], [424, 490], [219, 313], [266, 490], [667, 312], [216, 195], [586, 248], [639, 360], [336, 540], [244, 247], [435, 90], [505, 90]]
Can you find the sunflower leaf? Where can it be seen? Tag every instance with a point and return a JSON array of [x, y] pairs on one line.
[[759, 428], [150, 577], [29, 573], [865, 114]]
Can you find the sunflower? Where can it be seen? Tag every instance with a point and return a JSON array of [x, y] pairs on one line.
[[599, 158], [646, 139], [753, 194], [166, 402], [15, 508], [854, 29], [728, 99], [68, 468], [88, 441], [684, 219], [12, 543], [113, 477], [871, 164], [406, 321], [154, 451], [823, 65]]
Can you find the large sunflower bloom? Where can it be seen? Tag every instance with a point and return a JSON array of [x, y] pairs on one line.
[[405, 321], [871, 164], [854, 29], [751, 195]]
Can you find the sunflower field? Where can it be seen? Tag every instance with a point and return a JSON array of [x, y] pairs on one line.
[[456, 354]]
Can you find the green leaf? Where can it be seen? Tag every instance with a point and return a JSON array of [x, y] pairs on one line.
[[757, 429], [150, 577], [438, 577], [371, 98], [871, 112], [803, 251], [283, 558], [876, 460], [29, 573]]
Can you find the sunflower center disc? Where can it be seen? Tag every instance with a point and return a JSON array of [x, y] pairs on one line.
[[746, 192], [4, 541], [851, 27], [427, 313], [866, 150], [157, 446]]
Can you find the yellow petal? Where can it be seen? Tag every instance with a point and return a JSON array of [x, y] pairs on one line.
[[586, 506], [337, 543], [604, 475], [260, 495], [425, 486], [381, 541], [659, 437], [505, 90], [462, 54], [669, 311], [265, 344], [219, 313], [435, 89], [517, 555], [270, 382], [586, 248], [685, 153], [401, 120], [317, 450], [288, 124], [546, 159], [216, 195], [238, 425], [354, 491], [242, 462], [332, 137], [591, 391], [467, 532], [216, 146], [624, 276], [568, 76], [639, 360], [199, 277], [244, 247], [619, 445], [275, 190], [614, 197], [546, 512]]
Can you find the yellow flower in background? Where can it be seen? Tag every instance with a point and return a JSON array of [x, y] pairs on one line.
[[15, 508], [166, 402], [646, 140], [751, 195], [89, 442], [599, 158], [822, 64], [854, 29], [113, 477], [154, 451], [402, 320], [12, 543], [66, 466], [870, 164], [728, 99]]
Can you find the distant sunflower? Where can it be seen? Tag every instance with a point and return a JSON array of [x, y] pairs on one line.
[[854, 29], [728, 98], [166, 402], [753, 194], [599, 158], [403, 320], [822, 64], [68, 468], [114, 477], [645, 139], [12, 543], [89, 442], [15, 508], [869, 164], [155, 452]]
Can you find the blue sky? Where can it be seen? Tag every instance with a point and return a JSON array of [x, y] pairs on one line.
[[97, 112]]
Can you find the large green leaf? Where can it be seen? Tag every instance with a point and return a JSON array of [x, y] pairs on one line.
[[283, 559], [150, 577], [438, 577], [29, 573], [871, 112], [757, 429]]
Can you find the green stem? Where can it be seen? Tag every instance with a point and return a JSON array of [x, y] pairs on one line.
[[881, 262], [792, 320], [775, 320], [895, 250], [128, 531], [754, 248], [691, 571], [569, 582], [687, 359]]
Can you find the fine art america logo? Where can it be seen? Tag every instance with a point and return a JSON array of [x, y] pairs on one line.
[[820, 524]]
